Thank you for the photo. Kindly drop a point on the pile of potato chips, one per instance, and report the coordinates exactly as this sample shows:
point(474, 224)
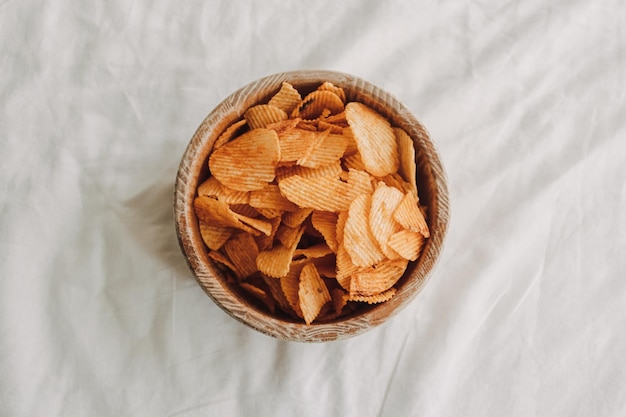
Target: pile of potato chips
point(312, 204)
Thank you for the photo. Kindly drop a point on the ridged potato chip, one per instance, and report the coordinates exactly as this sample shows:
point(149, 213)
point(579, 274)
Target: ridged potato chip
point(260, 294)
point(372, 281)
point(407, 244)
point(374, 138)
point(242, 251)
point(374, 299)
point(327, 149)
point(316, 102)
point(325, 222)
point(211, 187)
point(261, 115)
point(248, 162)
point(312, 293)
point(276, 261)
point(328, 86)
point(214, 237)
point(287, 98)
point(385, 200)
point(409, 215)
point(270, 197)
point(407, 168)
point(358, 239)
point(230, 133)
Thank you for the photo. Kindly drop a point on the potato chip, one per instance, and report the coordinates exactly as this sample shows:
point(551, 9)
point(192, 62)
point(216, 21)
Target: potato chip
point(270, 197)
point(407, 244)
point(385, 200)
point(244, 210)
point(409, 215)
point(261, 115)
point(276, 290)
point(372, 281)
point(242, 251)
point(214, 237)
point(312, 293)
point(339, 299)
point(262, 226)
point(331, 170)
point(326, 149)
point(353, 161)
point(283, 126)
point(318, 193)
point(260, 294)
point(338, 119)
point(374, 138)
point(323, 125)
point(286, 99)
point(295, 143)
point(217, 213)
point(248, 162)
point(326, 265)
point(230, 133)
point(406, 150)
point(288, 236)
point(358, 240)
point(374, 299)
point(268, 213)
point(345, 267)
point(328, 86)
point(275, 262)
point(325, 222)
point(290, 284)
point(211, 187)
point(316, 251)
point(316, 102)
point(265, 242)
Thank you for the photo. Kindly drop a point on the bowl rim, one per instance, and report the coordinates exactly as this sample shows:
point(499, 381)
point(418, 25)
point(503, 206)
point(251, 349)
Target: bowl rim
point(205, 272)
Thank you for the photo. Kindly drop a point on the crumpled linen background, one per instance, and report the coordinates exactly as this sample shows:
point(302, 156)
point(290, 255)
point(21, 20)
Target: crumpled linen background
point(524, 315)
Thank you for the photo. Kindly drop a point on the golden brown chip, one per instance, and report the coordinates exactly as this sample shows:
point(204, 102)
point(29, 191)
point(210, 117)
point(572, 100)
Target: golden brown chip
point(242, 251)
point(290, 285)
point(222, 259)
point(312, 293)
point(211, 187)
point(385, 200)
point(374, 299)
point(316, 102)
point(244, 210)
point(275, 262)
point(345, 267)
point(260, 294)
point(406, 150)
point(276, 290)
point(269, 213)
point(323, 125)
point(261, 115)
point(358, 239)
point(328, 86)
point(262, 226)
point(295, 143)
point(288, 235)
point(325, 150)
point(325, 222)
point(407, 244)
point(265, 242)
point(283, 126)
point(338, 119)
point(331, 170)
point(374, 138)
point(248, 162)
point(326, 265)
point(353, 161)
point(372, 281)
point(339, 299)
point(287, 98)
point(214, 237)
point(270, 197)
point(316, 251)
point(230, 133)
point(218, 214)
point(409, 215)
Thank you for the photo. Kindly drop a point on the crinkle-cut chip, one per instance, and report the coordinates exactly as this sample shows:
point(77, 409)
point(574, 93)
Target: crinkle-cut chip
point(287, 98)
point(328, 86)
point(242, 251)
point(222, 259)
point(265, 242)
point(270, 197)
point(351, 148)
point(312, 106)
point(358, 239)
point(353, 161)
point(283, 126)
point(214, 237)
point(260, 294)
point(211, 187)
point(275, 289)
point(312, 293)
point(319, 193)
point(360, 183)
point(374, 138)
point(407, 244)
point(385, 200)
point(309, 125)
point(315, 251)
point(218, 214)
point(230, 133)
point(294, 143)
point(261, 115)
point(269, 213)
point(275, 262)
point(325, 222)
point(373, 281)
point(374, 299)
point(244, 210)
point(323, 125)
point(409, 215)
point(406, 150)
point(262, 226)
point(325, 150)
point(290, 284)
point(342, 216)
point(339, 299)
point(331, 170)
point(396, 181)
point(248, 162)
point(296, 218)
point(338, 119)
point(345, 267)
point(288, 235)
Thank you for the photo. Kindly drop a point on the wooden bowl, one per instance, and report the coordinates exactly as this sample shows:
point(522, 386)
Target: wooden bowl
point(193, 169)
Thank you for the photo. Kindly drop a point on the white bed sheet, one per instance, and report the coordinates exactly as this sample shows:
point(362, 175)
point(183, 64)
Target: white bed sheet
point(525, 314)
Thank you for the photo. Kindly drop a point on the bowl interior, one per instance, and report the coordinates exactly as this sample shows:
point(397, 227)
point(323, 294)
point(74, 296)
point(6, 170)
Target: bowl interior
point(220, 287)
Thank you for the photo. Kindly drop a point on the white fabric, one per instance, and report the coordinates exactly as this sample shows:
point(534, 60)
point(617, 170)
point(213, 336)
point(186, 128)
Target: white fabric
point(525, 314)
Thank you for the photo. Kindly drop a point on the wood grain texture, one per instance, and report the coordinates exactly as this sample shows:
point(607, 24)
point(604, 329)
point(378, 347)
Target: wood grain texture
point(431, 181)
